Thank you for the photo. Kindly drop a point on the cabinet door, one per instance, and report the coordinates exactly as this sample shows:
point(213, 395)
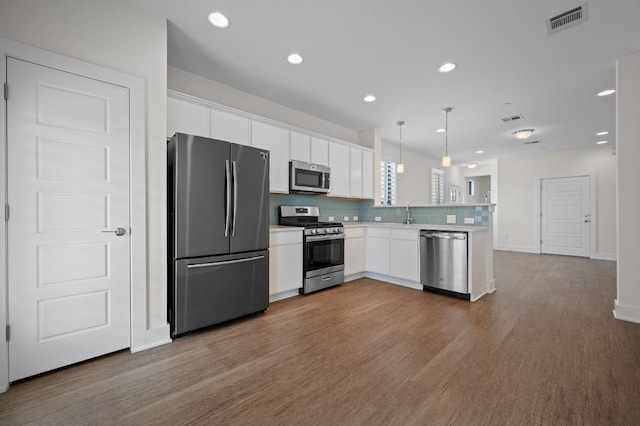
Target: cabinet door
point(356, 173)
point(319, 151)
point(276, 140)
point(377, 251)
point(353, 254)
point(285, 268)
point(229, 127)
point(367, 174)
point(300, 147)
point(187, 117)
point(339, 164)
point(404, 248)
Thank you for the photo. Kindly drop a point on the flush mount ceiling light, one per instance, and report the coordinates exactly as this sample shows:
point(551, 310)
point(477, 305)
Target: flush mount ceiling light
point(480, 152)
point(218, 20)
point(369, 98)
point(523, 133)
point(295, 59)
point(472, 165)
point(400, 166)
point(607, 92)
point(446, 160)
point(447, 67)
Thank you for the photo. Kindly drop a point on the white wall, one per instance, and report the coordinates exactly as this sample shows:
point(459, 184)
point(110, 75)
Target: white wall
point(121, 36)
point(203, 88)
point(627, 304)
point(517, 183)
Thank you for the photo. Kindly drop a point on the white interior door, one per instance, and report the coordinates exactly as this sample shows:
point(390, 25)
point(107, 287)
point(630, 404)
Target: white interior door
point(565, 216)
point(68, 182)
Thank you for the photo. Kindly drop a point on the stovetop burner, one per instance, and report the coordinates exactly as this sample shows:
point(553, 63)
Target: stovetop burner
point(303, 216)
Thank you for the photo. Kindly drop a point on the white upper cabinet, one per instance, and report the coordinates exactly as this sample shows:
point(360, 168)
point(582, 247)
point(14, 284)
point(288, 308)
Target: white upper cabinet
point(276, 140)
point(367, 174)
point(356, 172)
point(339, 164)
point(300, 147)
point(187, 117)
point(229, 127)
point(319, 151)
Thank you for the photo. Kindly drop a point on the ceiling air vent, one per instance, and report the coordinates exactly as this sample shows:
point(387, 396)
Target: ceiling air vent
point(531, 142)
point(567, 19)
point(512, 118)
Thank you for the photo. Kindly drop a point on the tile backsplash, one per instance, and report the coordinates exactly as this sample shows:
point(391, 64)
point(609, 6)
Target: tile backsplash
point(364, 210)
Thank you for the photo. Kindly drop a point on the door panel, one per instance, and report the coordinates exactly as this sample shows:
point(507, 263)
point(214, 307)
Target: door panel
point(68, 181)
point(565, 216)
point(200, 196)
point(251, 230)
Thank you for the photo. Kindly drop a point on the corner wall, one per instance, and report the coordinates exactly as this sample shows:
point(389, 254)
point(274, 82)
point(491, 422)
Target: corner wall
point(627, 304)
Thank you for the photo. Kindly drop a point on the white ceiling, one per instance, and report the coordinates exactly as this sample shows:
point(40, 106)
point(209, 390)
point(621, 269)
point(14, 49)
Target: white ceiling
point(507, 65)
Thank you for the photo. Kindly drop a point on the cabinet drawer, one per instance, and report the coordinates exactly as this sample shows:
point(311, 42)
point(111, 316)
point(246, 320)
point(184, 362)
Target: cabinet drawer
point(378, 232)
point(405, 234)
point(289, 237)
point(353, 232)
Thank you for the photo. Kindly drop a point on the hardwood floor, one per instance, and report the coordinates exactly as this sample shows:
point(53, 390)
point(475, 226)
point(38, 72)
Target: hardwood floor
point(543, 350)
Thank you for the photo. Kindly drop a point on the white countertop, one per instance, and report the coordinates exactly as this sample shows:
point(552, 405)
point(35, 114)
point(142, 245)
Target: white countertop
point(417, 226)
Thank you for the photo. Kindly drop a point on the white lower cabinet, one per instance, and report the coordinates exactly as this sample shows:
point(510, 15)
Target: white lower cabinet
point(377, 250)
point(353, 251)
point(285, 261)
point(404, 248)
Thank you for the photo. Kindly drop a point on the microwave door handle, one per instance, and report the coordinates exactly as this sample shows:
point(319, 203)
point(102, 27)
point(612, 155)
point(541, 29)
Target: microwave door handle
point(228, 182)
point(234, 167)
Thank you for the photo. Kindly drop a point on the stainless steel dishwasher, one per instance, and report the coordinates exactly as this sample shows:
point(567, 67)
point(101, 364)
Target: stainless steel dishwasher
point(443, 262)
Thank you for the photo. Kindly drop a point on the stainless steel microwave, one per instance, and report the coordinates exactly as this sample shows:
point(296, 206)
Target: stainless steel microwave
point(307, 178)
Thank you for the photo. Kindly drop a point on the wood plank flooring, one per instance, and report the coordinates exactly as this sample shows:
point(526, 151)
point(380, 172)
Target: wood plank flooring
point(543, 350)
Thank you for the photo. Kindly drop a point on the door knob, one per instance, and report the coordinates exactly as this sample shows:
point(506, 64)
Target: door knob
point(118, 231)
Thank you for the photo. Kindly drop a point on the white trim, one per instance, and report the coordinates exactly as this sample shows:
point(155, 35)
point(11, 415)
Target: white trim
point(626, 313)
point(141, 335)
point(521, 249)
point(592, 209)
point(605, 256)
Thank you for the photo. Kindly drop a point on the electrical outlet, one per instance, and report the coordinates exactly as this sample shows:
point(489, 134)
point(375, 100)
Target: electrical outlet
point(355, 218)
point(332, 219)
point(469, 220)
point(451, 218)
point(377, 219)
point(345, 219)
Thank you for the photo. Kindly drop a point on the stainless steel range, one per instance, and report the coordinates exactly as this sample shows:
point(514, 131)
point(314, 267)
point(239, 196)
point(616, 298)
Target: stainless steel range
point(323, 245)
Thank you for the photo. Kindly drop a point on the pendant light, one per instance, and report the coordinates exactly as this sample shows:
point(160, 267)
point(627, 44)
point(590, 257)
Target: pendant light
point(400, 166)
point(446, 160)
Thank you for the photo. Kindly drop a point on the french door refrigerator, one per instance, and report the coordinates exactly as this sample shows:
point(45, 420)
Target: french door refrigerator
point(218, 217)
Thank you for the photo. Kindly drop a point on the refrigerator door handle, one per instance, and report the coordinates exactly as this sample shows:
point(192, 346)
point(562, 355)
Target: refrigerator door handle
point(226, 217)
point(224, 262)
point(234, 166)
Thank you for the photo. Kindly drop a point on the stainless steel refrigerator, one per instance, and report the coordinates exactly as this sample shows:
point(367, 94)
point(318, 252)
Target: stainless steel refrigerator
point(218, 217)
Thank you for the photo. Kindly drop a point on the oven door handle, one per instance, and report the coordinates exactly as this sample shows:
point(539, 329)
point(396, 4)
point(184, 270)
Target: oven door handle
point(312, 238)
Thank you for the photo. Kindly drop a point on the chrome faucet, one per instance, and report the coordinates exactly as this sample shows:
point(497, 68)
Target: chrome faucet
point(409, 218)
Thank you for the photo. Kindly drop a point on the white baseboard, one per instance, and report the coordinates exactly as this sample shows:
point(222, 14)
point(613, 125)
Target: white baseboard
point(626, 312)
point(153, 337)
point(522, 249)
point(605, 256)
point(393, 280)
point(283, 295)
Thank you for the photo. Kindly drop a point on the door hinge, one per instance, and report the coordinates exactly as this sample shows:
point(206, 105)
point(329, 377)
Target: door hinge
point(8, 332)
point(6, 92)
point(6, 212)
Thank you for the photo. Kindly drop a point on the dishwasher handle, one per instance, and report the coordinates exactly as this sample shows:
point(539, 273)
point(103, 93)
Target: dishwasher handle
point(443, 235)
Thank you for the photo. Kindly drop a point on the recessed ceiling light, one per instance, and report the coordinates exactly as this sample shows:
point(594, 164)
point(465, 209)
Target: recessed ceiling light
point(480, 152)
point(607, 92)
point(295, 59)
point(472, 165)
point(449, 66)
point(369, 98)
point(441, 130)
point(218, 20)
point(602, 133)
point(601, 142)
